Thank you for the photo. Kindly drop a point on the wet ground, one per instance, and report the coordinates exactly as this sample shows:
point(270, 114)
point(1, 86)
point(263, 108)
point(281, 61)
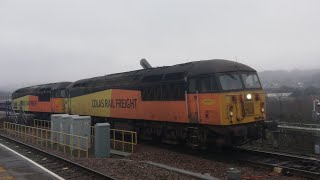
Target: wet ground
point(13, 166)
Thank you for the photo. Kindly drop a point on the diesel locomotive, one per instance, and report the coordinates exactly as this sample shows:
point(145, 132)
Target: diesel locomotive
point(200, 103)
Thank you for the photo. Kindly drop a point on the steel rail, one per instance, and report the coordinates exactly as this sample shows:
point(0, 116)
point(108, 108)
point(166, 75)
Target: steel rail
point(288, 162)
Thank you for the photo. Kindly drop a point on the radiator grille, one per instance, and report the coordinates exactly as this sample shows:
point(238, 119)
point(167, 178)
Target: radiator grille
point(249, 108)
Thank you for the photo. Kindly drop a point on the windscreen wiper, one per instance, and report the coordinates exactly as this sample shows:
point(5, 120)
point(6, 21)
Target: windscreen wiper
point(232, 76)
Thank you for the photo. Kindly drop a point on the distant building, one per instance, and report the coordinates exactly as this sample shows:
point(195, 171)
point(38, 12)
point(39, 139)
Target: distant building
point(276, 95)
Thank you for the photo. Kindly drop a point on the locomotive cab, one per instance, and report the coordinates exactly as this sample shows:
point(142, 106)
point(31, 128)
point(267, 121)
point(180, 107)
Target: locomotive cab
point(230, 101)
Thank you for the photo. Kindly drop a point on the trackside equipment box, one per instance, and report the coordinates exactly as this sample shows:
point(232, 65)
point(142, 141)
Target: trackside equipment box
point(55, 126)
point(65, 127)
point(102, 140)
point(81, 126)
point(65, 124)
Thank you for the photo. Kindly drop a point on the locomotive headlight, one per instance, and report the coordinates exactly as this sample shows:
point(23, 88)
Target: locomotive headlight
point(262, 107)
point(249, 96)
point(230, 109)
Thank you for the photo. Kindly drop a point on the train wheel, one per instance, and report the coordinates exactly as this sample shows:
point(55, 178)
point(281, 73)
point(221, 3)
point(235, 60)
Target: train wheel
point(196, 138)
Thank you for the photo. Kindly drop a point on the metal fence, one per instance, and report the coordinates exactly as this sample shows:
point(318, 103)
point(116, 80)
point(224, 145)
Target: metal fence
point(67, 143)
point(44, 124)
point(291, 109)
point(121, 140)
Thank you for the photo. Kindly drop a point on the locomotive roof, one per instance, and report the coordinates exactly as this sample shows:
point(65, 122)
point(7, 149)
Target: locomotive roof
point(36, 88)
point(188, 69)
point(216, 66)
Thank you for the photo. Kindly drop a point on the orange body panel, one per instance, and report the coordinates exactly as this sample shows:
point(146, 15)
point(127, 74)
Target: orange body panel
point(56, 105)
point(128, 104)
point(204, 108)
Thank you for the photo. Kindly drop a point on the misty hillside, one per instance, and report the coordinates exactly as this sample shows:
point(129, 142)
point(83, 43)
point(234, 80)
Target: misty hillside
point(4, 95)
point(292, 79)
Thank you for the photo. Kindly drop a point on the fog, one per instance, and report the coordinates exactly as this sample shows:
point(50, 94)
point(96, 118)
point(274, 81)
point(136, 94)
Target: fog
point(51, 41)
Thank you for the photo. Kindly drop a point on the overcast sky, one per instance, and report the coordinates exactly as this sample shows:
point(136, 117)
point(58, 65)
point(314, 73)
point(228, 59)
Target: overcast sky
point(63, 40)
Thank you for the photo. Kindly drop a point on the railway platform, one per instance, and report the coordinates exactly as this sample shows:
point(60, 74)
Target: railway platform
point(15, 166)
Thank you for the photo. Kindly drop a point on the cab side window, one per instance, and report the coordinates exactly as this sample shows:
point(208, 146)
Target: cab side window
point(205, 85)
point(202, 84)
point(193, 85)
point(63, 93)
point(44, 96)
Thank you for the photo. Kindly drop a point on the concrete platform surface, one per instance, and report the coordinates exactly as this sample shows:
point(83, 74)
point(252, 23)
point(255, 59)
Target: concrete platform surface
point(15, 166)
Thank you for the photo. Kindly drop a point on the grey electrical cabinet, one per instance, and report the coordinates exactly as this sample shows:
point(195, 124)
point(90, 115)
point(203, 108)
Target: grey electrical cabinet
point(65, 125)
point(55, 126)
point(71, 130)
point(81, 126)
point(102, 140)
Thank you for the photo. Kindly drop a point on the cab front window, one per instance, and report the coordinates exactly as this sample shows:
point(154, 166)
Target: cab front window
point(230, 81)
point(251, 80)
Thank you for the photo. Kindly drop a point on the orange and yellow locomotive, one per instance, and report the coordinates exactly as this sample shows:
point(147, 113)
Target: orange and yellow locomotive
point(211, 102)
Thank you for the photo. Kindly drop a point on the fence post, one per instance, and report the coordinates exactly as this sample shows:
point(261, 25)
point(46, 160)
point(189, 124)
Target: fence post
point(79, 147)
point(57, 141)
point(64, 143)
point(275, 139)
point(87, 150)
point(122, 140)
point(71, 143)
point(25, 133)
point(132, 142)
point(46, 137)
point(102, 140)
point(317, 144)
point(37, 135)
point(41, 136)
point(32, 137)
point(114, 139)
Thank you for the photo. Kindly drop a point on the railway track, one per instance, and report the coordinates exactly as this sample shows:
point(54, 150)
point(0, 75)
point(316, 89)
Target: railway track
point(289, 164)
point(301, 166)
point(62, 167)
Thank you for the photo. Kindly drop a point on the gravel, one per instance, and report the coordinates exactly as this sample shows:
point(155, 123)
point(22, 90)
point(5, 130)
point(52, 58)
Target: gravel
point(124, 169)
point(133, 167)
point(216, 168)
